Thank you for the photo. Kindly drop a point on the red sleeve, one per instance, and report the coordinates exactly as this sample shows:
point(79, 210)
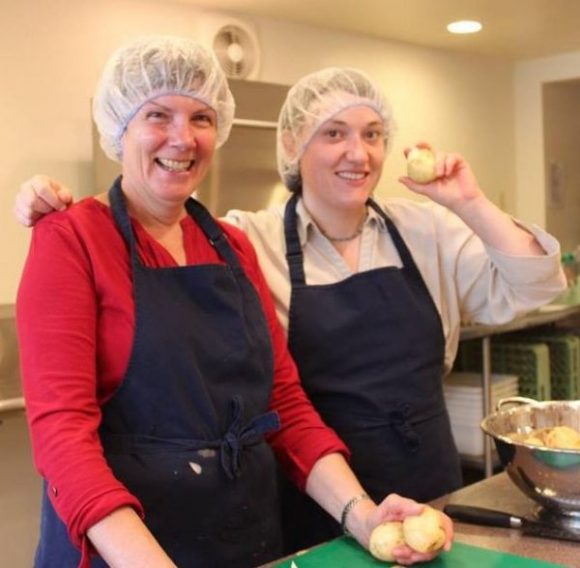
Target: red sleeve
point(57, 319)
point(303, 438)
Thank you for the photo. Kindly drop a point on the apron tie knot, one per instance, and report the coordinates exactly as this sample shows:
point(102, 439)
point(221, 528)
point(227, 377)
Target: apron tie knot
point(399, 420)
point(238, 436)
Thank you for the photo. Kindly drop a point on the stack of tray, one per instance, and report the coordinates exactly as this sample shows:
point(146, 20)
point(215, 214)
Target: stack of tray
point(464, 399)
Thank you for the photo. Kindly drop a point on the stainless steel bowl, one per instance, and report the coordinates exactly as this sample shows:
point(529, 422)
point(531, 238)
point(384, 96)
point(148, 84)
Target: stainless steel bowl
point(550, 477)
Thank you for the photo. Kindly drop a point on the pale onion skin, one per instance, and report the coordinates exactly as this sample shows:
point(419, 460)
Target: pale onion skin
point(421, 165)
point(385, 538)
point(424, 533)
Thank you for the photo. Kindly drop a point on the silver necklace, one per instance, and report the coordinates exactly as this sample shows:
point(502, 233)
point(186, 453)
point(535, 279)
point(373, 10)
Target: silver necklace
point(351, 237)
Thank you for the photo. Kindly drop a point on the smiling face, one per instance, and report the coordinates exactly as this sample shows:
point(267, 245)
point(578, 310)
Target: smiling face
point(167, 150)
point(343, 161)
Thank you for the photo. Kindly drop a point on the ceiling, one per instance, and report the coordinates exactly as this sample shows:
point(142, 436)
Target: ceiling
point(518, 29)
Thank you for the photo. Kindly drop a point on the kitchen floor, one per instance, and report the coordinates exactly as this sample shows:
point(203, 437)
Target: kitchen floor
point(20, 492)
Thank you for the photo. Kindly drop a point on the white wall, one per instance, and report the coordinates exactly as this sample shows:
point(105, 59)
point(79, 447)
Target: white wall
point(52, 51)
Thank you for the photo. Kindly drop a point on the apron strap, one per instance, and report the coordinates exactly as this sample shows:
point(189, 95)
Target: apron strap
point(121, 216)
point(398, 241)
point(402, 249)
point(294, 254)
point(239, 436)
point(214, 232)
point(230, 445)
point(401, 424)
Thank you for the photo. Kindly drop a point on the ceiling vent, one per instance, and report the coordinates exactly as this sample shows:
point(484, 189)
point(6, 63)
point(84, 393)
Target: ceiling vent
point(237, 49)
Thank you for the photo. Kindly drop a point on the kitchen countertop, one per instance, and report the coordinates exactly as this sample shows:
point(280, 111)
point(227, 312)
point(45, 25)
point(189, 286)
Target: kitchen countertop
point(498, 492)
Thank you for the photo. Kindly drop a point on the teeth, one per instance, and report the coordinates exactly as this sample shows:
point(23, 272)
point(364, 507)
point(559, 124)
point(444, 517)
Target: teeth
point(175, 165)
point(351, 175)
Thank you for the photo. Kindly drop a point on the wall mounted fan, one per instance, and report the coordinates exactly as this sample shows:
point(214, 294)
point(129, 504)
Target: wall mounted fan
point(237, 50)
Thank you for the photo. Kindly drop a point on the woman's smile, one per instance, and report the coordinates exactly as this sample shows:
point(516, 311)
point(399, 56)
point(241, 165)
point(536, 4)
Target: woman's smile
point(170, 165)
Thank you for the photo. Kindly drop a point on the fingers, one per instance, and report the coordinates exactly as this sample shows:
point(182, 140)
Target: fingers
point(414, 186)
point(396, 508)
point(449, 531)
point(406, 556)
point(51, 194)
point(447, 164)
point(38, 196)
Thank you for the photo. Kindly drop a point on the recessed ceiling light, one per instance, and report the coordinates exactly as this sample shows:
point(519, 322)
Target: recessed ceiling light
point(464, 27)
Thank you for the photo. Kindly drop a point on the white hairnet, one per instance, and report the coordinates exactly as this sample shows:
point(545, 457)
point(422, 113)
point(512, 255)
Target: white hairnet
point(312, 101)
point(150, 67)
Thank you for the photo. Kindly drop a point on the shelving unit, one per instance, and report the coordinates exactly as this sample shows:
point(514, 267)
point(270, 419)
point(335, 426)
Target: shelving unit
point(552, 313)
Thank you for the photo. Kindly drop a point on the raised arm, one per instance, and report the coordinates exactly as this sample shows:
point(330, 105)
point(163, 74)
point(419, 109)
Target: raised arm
point(38, 196)
point(457, 189)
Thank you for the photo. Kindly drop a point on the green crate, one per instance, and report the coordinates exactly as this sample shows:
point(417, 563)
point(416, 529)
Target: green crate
point(564, 360)
point(529, 361)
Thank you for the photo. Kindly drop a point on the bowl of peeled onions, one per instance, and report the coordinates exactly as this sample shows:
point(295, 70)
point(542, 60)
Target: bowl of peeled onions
point(538, 443)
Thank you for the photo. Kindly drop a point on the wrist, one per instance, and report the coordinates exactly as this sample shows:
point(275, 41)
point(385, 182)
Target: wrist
point(355, 516)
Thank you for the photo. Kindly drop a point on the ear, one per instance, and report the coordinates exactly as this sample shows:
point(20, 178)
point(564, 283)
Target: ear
point(289, 144)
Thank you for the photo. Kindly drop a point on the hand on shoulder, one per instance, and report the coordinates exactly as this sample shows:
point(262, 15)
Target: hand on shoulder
point(39, 196)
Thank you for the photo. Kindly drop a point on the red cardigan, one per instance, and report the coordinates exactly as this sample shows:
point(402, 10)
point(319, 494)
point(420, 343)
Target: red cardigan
point(75, 317)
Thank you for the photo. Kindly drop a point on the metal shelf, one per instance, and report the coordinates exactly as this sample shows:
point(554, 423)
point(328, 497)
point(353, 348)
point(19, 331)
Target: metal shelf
point(551, 313)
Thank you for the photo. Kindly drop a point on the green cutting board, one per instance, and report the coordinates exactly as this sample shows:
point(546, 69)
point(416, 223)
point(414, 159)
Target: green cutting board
point(346, 553)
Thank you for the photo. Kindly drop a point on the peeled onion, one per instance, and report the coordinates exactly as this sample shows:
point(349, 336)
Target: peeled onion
point(385, 538)
point(421, 165)
point(424, 532)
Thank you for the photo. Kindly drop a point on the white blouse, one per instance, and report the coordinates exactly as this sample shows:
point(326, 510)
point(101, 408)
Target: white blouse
point(468, 281)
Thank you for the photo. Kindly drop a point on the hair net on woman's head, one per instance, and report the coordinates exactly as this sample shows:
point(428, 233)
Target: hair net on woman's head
point(312, 101)
point(155, 66)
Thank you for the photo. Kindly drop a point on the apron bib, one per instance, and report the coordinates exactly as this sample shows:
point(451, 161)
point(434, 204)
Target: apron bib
point(370, 353)
point(185, 431)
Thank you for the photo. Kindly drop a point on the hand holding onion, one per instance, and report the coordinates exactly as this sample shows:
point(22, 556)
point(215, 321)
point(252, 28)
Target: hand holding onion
point(444, 178)
point(424, 533)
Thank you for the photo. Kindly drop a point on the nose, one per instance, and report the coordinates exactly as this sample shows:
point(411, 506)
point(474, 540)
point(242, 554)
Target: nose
point(183, 135)
point(356, 150)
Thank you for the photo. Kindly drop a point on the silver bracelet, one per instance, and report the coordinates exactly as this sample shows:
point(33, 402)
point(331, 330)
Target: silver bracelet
point(348, 508)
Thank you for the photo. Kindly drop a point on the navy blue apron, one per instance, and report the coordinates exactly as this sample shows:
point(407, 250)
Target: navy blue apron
point(370, 351)
point(185, 431)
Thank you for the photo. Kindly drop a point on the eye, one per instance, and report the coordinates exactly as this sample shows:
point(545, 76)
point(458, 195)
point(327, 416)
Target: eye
point(374, 135)
point(156, 115)
point(203, 119)
point(333, 133)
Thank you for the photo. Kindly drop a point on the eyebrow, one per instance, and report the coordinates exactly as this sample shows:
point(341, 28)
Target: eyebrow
point(336, 122)
point(167, 109)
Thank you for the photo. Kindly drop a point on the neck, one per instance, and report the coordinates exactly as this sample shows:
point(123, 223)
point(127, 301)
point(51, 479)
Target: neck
point(157, 222)
point(339, 225)
point(156, 216)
